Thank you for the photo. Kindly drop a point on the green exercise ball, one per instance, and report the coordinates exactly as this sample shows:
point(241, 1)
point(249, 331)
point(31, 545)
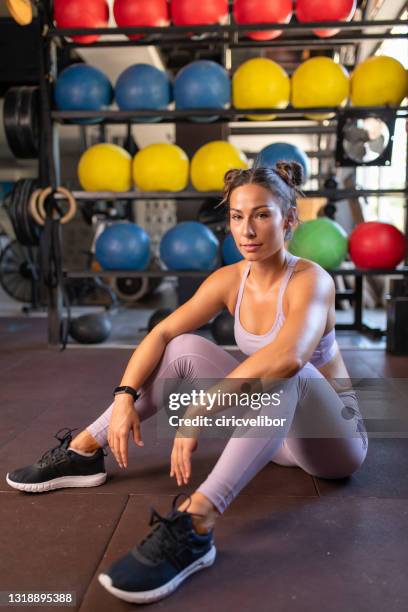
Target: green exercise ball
point(322, 240)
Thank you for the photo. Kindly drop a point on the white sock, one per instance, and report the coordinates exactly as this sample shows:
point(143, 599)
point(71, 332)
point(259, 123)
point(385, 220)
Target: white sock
point(83, 453)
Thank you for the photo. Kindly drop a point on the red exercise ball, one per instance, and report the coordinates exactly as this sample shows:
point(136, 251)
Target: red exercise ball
point(142, 14)
point(80, 14)
point(263, 11)
point(199, 12)
point(377, 245)
point(325, 10)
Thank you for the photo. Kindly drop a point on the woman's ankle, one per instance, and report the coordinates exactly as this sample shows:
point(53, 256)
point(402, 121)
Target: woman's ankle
point(84, 442)
point(204, 512)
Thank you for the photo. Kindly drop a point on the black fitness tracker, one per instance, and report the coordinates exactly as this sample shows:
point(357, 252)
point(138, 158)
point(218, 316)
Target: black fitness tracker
point(130, 390)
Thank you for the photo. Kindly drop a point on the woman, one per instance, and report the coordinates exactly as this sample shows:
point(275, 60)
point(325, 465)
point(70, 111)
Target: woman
point(284, 311)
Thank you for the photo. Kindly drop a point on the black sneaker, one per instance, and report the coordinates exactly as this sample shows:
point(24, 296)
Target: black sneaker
point(158, 565)
point(60, 467)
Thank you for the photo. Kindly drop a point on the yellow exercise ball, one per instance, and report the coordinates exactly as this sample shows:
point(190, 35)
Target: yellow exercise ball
point(161, 167)
point(260, 83)
point(320, 82)
point(377, 81)
point(212, 161)
point(105, 167)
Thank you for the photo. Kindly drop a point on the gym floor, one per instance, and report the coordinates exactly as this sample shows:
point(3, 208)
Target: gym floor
point(289, 541)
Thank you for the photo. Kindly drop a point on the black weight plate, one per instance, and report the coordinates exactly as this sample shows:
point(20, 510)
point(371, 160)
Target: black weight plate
point(11, 113)
point(21, 121)
point(29, 121)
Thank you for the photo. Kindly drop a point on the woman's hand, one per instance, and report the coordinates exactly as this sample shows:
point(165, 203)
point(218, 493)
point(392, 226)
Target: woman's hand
point(181, 458)
point(123, 420)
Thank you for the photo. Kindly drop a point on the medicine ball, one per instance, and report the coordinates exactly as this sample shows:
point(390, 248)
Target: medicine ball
point(140, 14)
point(308, 89)
point(263, 11)
point(123, 246)
point(308, 11)
point(377, 245)
point(378, 81)
point(91, 328)
point(321, 240)
point(199, 12)
point(105, 167)
point(161, 167)
point(260, 83)
point(83, 87)
point(158, 316)
point(189, 245)
point(212, 161)
point(222, 328)
point(80, 14)
point(283, 151)
point(142, 86)
point(202, 84)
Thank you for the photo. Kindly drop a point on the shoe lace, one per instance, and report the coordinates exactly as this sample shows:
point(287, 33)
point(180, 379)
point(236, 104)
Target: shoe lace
point(60, 451)
point(167, 535)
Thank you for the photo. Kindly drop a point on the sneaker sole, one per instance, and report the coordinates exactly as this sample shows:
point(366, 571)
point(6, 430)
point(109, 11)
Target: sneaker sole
point(143, 597)
point(94, 480)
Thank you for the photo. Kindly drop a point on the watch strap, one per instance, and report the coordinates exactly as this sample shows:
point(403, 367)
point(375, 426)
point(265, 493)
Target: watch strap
point(126, 389)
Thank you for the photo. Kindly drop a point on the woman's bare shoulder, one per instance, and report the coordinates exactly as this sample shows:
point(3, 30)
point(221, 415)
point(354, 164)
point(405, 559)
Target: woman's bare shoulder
point(307, 271)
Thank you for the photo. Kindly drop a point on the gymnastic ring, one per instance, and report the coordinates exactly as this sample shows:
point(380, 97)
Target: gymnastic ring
point(68, 195)
point(32, 205)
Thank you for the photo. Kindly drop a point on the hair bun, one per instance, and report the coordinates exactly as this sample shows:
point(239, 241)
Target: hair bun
point(290, 172)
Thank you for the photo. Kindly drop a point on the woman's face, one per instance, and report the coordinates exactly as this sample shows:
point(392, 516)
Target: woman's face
point(255, 218)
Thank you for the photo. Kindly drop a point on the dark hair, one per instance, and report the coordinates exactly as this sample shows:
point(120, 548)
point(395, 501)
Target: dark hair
point(283, 182)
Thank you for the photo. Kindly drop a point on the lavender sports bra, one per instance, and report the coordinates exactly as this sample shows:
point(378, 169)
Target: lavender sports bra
point(249, 343)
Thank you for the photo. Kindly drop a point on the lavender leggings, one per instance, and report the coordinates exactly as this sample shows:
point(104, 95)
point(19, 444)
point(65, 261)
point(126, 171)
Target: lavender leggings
point(193, 357)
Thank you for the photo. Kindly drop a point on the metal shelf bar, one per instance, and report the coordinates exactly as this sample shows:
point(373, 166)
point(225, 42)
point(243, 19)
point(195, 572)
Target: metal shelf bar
point(229, 29)
point(137, 116)
point(333, 194)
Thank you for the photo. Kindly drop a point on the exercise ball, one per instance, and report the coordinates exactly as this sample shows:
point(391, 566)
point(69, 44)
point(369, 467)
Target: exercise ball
point(141, 14)
point(82, 87)
point(308, 11)
point(123, 246)
point(321, 240)
point(262, 11)
point(222, 328)
point(229, 251)
point(143, 86)
point(202, 84)
point(320, 82)
point(283, 151)
point(260, 83)
point(189, 245)
point(212, 161)
point(158, 316)
point(202, 12)
point(91, 328)
point(378, 81)
point(161, 167)
point(80, 14)
point(377, 245)
point(105, 167)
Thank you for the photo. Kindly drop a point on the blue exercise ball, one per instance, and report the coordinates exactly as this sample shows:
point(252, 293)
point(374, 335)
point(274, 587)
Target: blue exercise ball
point(282, 151)
point(143, 86)
point(123, 246)
point(202, 84)
point(83, 87)
point(229, 251)
point(189, 245)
